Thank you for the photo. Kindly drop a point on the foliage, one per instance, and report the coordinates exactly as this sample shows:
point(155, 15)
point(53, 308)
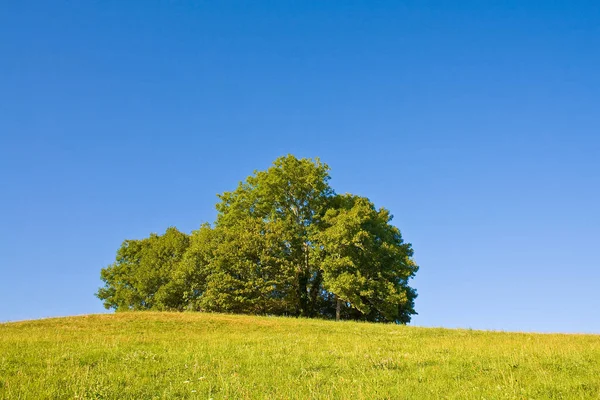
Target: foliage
point(365, 261)
point(283, 243)
point(204, 355)
point(292, 194)
point(140, 276)
point(250, 273)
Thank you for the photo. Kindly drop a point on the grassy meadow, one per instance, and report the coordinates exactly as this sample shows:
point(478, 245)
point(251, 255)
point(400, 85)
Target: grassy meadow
point(213, 356)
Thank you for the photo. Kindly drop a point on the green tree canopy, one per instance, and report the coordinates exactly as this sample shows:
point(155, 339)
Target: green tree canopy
point(283, 243)
point(142, 271)
point(365, 262)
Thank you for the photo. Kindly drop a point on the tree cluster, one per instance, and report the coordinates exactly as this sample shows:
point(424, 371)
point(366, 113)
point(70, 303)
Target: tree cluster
point(283, 243)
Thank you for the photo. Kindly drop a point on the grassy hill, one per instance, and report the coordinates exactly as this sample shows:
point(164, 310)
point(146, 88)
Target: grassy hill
point(183, 355)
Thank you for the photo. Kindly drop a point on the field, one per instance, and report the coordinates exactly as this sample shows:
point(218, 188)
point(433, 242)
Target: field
point(184, 355)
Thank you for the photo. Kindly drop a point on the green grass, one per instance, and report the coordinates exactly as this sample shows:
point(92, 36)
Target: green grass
point(184, 355)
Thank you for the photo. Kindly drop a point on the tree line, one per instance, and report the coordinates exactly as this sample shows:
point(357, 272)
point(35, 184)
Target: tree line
point(283, 243)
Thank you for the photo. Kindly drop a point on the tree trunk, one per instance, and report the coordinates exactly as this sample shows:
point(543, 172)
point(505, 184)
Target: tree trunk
point(303, 284)
point(338, 308)
point(315, 287)
point(302, 293)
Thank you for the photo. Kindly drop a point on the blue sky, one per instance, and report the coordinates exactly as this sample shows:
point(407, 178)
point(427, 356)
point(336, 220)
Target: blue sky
point(476, 123)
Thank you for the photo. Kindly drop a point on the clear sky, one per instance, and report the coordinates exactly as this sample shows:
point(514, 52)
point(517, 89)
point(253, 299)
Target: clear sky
point(477, 123)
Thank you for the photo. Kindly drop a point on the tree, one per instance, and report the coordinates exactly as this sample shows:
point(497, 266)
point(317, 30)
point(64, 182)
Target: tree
point(293, 193)
point(249, 270)
point(141, 270)
point(283, 244)
point(365, 262)
point(189, 275)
